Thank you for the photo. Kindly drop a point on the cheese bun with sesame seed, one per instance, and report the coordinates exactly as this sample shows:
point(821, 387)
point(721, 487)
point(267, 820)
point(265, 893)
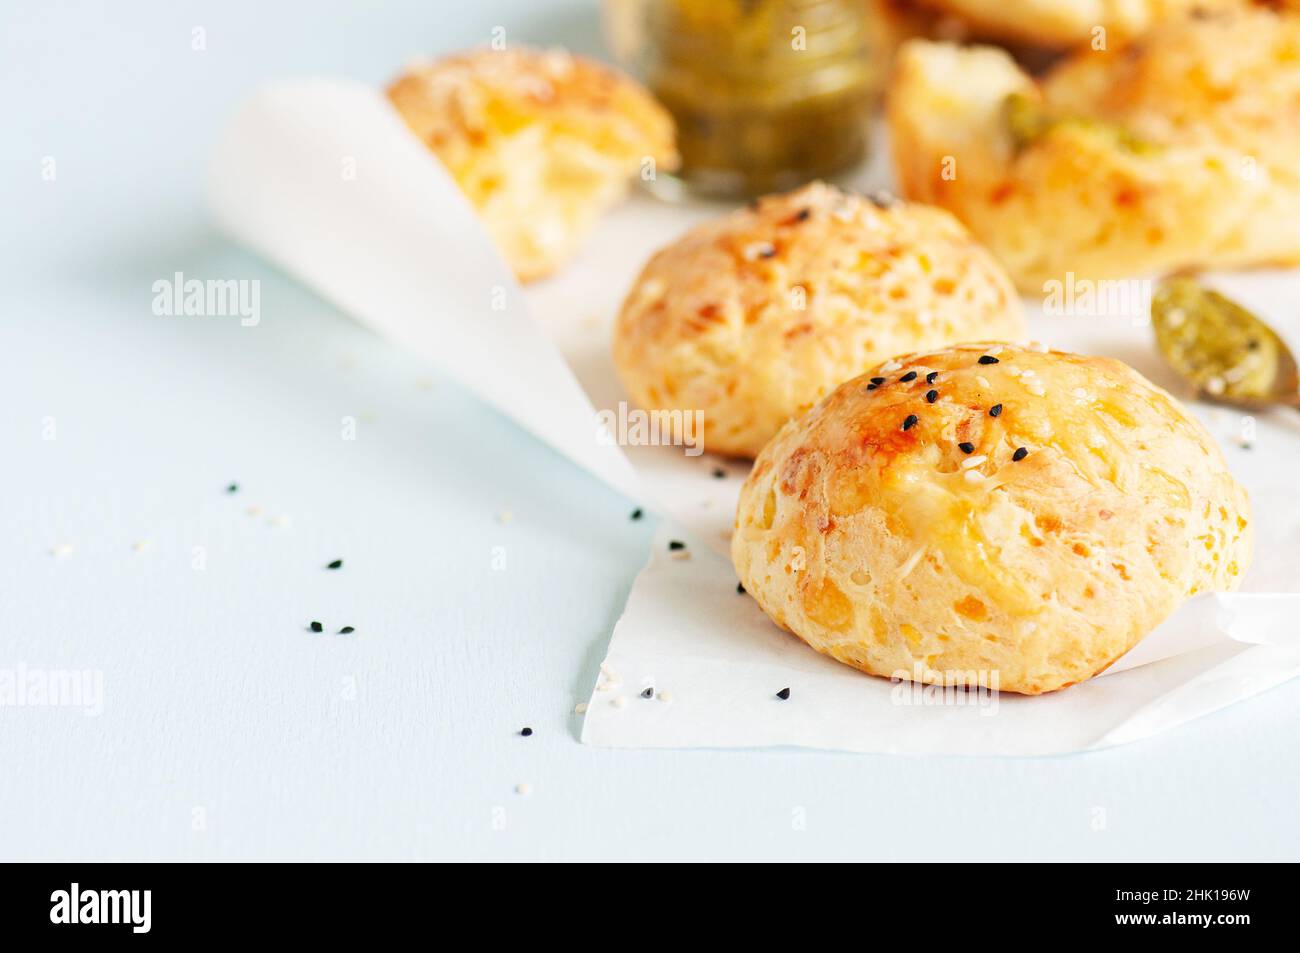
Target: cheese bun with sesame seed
point(541, 142)
point(989, 515)
point(755, 316)
point(1175, 150)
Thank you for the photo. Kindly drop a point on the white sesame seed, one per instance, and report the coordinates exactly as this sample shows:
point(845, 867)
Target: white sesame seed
point(580, 708)
point(1035, 388)
point(619, 702)
point(523, 788)
point(140, 545)
point(973, 476)
point(608, 670)
point(254, 510)
point(665, 696)
point(61, 551)
point(680, 554)
point(982, 381)
point(996, 349)
point(1214, 385)
point(504, 516)
point(972, 462)
point(279, 520)
point(891, 366)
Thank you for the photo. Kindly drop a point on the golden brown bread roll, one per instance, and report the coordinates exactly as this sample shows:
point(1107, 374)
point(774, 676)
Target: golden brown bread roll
point(1175, 151)
point(1032, 518)
point(541, 142)
point(754, 317)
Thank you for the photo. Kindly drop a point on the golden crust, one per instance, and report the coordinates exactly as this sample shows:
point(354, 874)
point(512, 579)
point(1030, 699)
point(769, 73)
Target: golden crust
point(876, 545)
point(1060, 24)
point(541, 142)
point(755, 316)
point(1175, 151)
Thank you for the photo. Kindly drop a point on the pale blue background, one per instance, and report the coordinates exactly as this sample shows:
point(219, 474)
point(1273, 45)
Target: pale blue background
point(154, 415)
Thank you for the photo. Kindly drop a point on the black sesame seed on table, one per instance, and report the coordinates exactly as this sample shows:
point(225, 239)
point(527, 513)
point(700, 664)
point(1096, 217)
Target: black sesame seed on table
point(336, 564)
point(931, 396)
point(908, 377)
point(783, 694)
point(966, 447)
point(1020, 454)
point(636, 514)
point(719, 473)
point(526, 732)
point(910, 421)
point(317, 627)
point(929, 378)
point(233, 488)
point(988, 359)
point(347, 630)
point(995, 410)
point(740, 588)
point(675, 545)
point(648, 693)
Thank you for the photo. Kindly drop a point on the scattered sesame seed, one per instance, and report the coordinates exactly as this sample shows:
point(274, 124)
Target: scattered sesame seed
point(973, 476)
point(910, 421)
point(1036, 388)
point(336, 564)
point(61, 551)
point(648, 692)
point(279, 520)
point(719, 473)
point(580, 708)
point(526, 732)
point(972, 462)
point(347, 630)
point(891, 366)
point(254, 510)
point(608, 670)
point(233, 488)
point(908, 377)
point(675, 544)
point(783, 694)
point(995, 410)
point(966, 447)
point(930, 378)
point(665, 696)
point(140, 546)
point(317, 627)
point(740, 588)
point(523, 789)
point(906, 569)
point(931, 396)
point(681, 555)
point(1020, 454)
point(877, 381)
point(636, 514)
point(504, 516)
point(619, 701)
point(988, 359)
point(872, 386)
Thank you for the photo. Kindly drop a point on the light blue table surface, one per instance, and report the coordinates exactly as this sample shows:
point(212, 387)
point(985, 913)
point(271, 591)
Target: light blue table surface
point(400, 740)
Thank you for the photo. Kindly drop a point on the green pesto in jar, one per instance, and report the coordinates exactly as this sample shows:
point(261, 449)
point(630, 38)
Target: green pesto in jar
point(1223, 349)
point(767, 94)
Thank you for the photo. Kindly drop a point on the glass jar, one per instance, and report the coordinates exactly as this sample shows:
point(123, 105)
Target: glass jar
point(767, 94)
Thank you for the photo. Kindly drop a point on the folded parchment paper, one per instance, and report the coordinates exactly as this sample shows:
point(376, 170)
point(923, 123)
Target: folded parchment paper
point(322, 178)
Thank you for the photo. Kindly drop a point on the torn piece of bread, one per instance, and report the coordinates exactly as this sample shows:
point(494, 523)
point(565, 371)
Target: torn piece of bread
point(541, 142)
point(1176, 150)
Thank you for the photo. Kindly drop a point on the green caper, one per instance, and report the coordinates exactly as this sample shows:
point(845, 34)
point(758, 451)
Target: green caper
point(1215, 343)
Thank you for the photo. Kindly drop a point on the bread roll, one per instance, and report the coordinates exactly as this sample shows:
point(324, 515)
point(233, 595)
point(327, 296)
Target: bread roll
point(541, 142)
point(754, 317)
point(1174, 151)
point(989, 512)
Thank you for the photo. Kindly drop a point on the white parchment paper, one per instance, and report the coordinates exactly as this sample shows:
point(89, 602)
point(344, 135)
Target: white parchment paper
point(322, 178)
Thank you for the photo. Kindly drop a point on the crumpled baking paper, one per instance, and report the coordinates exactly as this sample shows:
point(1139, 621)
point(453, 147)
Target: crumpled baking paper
point(323, 178)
